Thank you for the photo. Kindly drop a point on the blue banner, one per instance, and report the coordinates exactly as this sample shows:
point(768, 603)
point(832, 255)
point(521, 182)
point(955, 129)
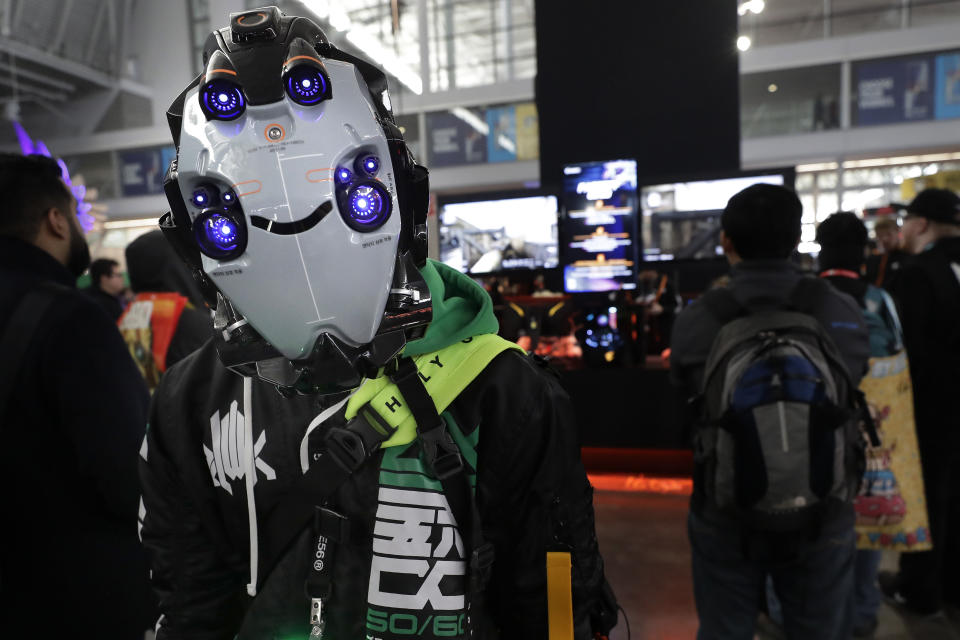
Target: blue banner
point(456, 137)
point(892, 91)
point(502, 141)
point(947, 104)
point(142, 170)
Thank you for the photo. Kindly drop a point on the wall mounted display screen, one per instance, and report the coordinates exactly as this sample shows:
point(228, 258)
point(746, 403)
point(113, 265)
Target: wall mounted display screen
point(483, 236)
point(598, 229)
point(681, 220)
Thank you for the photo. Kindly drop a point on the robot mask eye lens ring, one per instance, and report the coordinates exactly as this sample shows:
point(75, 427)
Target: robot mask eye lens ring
point(220, 234)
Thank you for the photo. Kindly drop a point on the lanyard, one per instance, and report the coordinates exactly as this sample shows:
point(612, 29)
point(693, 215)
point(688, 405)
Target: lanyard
point(843, 273)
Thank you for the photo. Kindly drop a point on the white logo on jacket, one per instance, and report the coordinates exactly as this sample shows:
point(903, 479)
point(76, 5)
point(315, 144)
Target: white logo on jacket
point(404, 545)
point(227, 461)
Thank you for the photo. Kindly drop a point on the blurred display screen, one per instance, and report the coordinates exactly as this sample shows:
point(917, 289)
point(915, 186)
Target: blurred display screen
point(681, 221)
point(484, 236)
point(598, 234)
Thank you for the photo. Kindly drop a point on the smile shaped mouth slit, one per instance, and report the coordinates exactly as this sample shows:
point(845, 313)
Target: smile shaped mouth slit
point(297, 226)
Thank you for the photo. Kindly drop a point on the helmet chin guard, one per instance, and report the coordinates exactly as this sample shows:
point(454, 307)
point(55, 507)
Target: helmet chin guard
point(298, 206)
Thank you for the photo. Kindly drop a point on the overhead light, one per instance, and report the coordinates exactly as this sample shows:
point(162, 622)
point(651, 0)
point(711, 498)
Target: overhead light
point(772, 88)
point(471, 119)
point(817, 166)
point(367, 42)
point(751, 6)
point(743, 43)
point(130, 224)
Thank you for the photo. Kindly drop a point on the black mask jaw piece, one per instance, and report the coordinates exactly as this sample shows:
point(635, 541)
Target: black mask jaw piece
point(332, 366)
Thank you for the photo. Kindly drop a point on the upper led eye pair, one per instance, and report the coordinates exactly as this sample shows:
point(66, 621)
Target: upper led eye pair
point(304, 79)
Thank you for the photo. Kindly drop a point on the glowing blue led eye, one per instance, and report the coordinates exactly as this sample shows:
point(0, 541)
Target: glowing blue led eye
point(200, 198)
point(369, 165)
point(344, 176)
point(306, 84)
point(219, 235)
point(222, 100)
point(228, 197)
point(367, 206)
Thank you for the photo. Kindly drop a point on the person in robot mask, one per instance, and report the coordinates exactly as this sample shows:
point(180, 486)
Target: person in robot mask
point(415, 474)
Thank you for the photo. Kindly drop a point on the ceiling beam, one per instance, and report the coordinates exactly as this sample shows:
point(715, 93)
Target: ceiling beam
point(61, 27)
point(40, 93)
point(71, 67)
point(95, 34)
point(38, 77)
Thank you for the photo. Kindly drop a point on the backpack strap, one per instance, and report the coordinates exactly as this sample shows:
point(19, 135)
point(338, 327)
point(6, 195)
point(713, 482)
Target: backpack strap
point(19, 333)
point(446, 464)
point(722, 305)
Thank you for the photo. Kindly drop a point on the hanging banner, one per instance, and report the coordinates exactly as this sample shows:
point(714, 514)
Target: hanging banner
point(942, 180)
point(142, 170)
point(947, 101)
point(502, 141)
point(456, 137)
point(892, 91)
point(891, 509)
point(528, 131)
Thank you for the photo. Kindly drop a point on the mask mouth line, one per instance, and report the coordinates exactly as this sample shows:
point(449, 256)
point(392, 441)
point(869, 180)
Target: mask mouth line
point(297, 226)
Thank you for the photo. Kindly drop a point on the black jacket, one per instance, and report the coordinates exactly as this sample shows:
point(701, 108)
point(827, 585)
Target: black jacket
point(884, 270)
point(154, 267)
point(111, 304)
point(69, 555)
point(762, 283)
point(532, 492)
point(928, 298)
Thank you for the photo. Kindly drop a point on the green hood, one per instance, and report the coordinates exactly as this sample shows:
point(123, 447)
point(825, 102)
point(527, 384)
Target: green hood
point(461, 309)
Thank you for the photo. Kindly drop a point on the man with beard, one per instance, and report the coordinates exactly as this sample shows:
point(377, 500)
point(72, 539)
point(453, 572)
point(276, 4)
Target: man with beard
point(72, 415)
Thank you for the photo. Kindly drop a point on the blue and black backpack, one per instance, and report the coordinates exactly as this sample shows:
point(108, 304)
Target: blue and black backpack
point(778, 435)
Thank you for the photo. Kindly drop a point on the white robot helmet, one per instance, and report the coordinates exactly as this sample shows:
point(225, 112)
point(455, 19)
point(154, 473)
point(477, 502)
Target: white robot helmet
point(298, 206)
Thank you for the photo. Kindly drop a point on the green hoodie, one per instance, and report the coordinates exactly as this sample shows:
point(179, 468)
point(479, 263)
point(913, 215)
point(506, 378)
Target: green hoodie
point(461, 309)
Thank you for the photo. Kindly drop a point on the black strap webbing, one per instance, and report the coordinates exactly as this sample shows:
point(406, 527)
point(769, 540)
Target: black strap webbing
point(443, 457)
point(347, 448)
point(19, 334)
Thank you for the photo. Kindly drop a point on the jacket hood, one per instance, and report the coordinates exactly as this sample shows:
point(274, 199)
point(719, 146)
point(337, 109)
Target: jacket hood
point(461, 309)
point(153, 265)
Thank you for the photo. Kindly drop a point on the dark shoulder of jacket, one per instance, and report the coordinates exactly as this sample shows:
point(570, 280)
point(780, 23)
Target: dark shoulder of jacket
point(695, 329)
point(187, 382)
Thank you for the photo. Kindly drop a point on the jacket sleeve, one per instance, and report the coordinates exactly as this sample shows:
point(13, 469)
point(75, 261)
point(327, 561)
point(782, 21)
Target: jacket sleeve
point(200, 596)
point(102, 400)
point(534, 498)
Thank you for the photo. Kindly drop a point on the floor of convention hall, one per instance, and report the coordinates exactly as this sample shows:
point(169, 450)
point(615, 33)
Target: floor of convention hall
point(641, 525)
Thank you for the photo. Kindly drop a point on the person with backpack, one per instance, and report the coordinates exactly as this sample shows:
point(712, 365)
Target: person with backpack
point(167, 320)
point(357, 454)
point(72, 417)
point(771, 364)
point(928, 294)
point(891, 513)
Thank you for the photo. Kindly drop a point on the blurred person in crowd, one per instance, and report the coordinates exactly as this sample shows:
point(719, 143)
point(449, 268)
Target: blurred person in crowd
point(884, 267)
point(344, 506)
point(72, 416)
point(106, 286)
point(735, 547)
point(843, 241)
point(167, 319)
point(928, 294)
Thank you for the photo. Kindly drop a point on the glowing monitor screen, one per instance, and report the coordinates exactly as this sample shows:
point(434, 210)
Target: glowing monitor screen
point(598, 231)
point(682, 220)
point(485, 236)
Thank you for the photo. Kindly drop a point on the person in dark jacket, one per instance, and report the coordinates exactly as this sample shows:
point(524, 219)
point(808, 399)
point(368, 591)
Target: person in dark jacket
point(883, 269)
point(106, 284)
point(167, 319)
point(928, 294)
point(813, 578)
point(415, 475)
point(73, 418)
